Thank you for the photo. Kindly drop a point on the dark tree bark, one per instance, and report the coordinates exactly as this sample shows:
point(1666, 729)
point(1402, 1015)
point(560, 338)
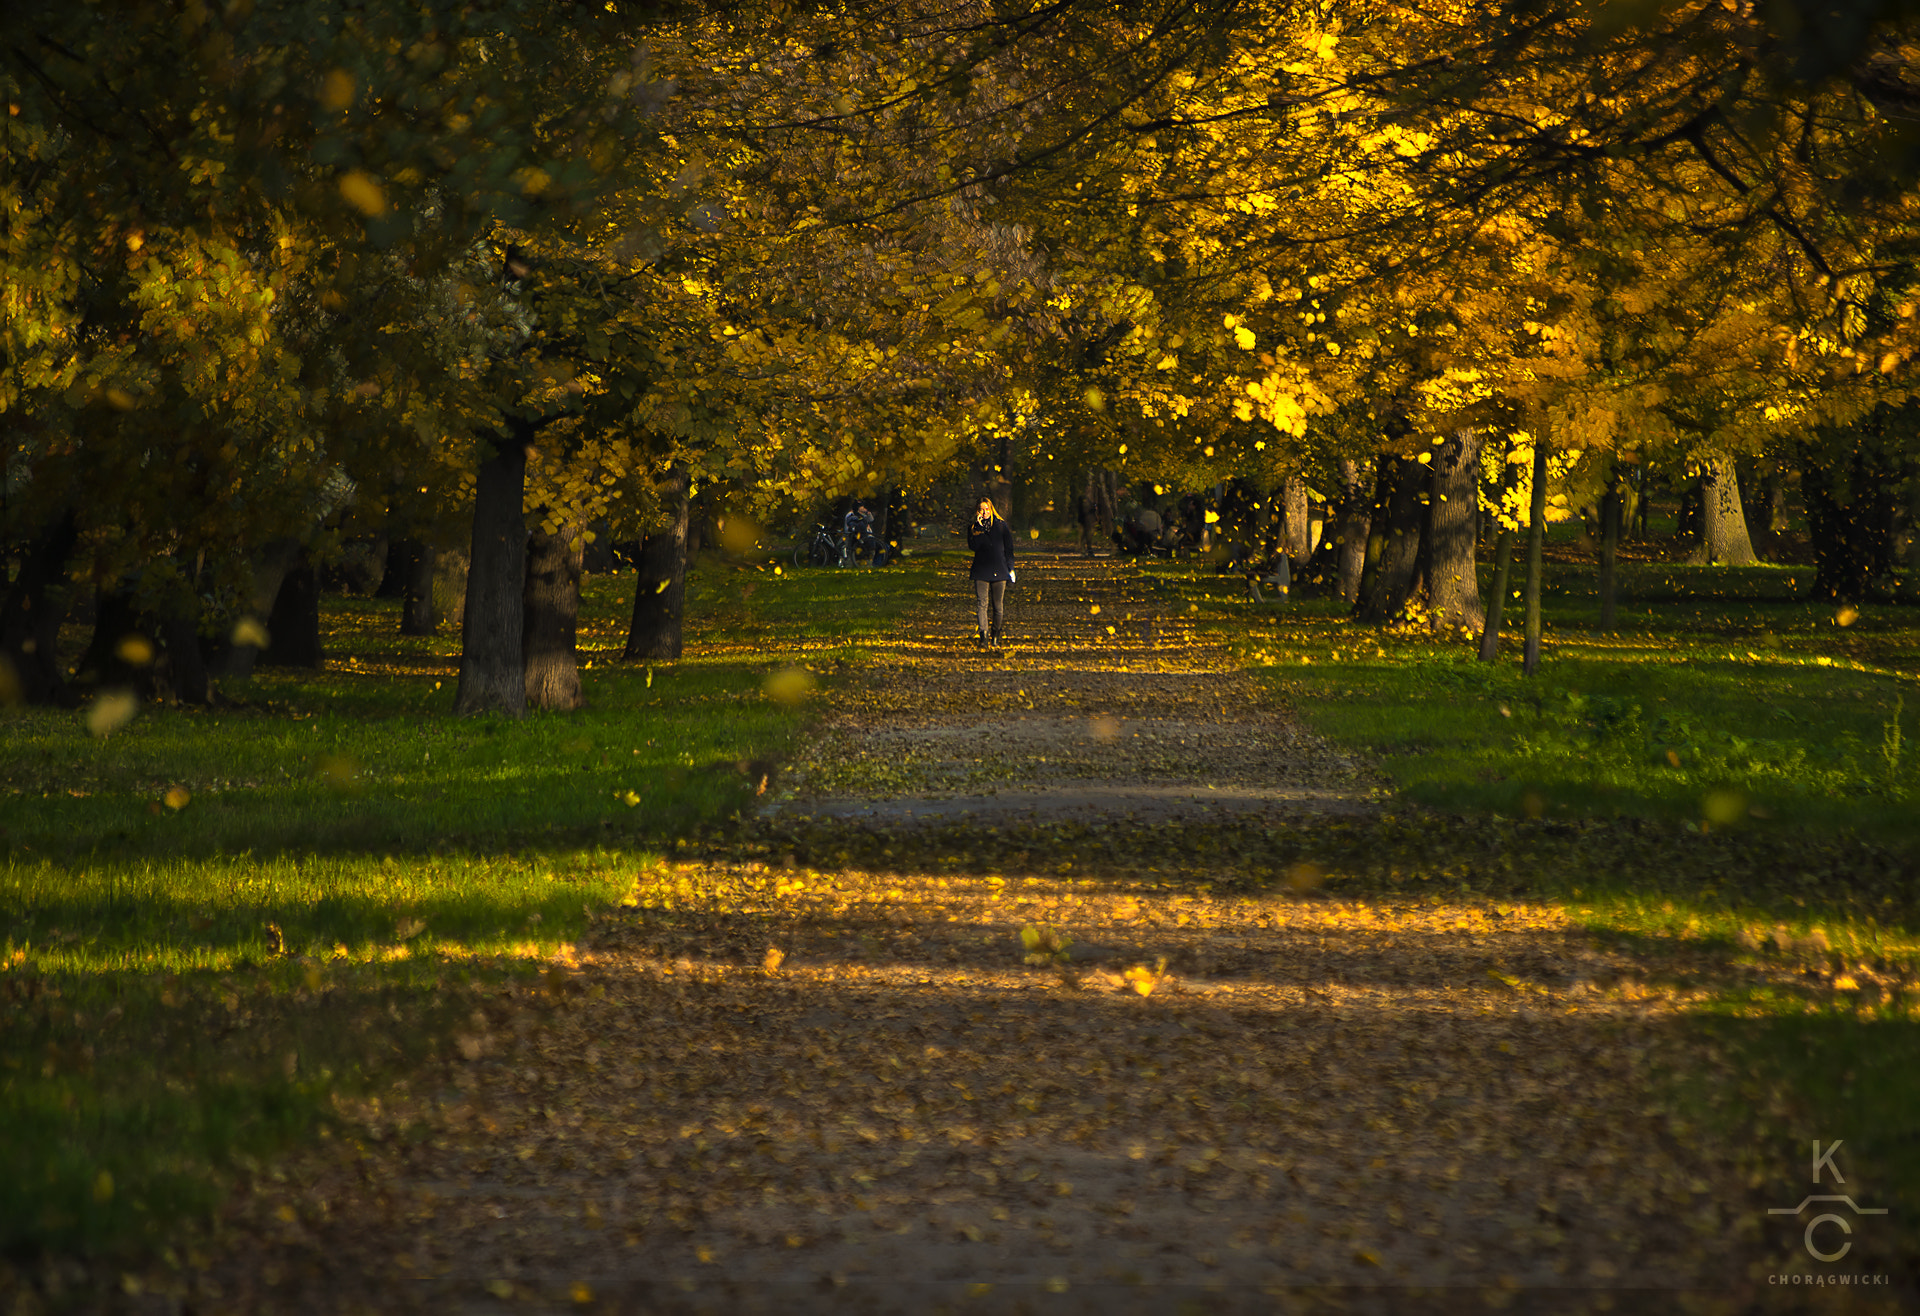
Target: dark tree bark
point(230, 656)
point(401, 551)
point(418, 616)
point(1850, 517)
point(1723, 526)
point(1453, 520)
point(1910, 583)
point(1536, 544)
point(109, 659)
point(1687, 528)
point(1497, 607)
point(660, 591)
point(182, 670)
point(1399, 512)
point(552, 607)
point(492, 668)
point(1760, 498)
point(293, 630)
point(1612, 513)
point(30, 619)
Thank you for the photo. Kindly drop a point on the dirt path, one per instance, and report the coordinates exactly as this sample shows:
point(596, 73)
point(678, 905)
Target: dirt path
point(1104, 705)
point(778, 1084)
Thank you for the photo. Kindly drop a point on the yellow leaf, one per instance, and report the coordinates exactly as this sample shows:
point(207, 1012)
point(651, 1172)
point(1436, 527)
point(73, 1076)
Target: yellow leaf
point(363, 193)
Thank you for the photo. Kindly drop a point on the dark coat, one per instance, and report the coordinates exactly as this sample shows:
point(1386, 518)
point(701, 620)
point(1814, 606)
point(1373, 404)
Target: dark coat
point(992, 547)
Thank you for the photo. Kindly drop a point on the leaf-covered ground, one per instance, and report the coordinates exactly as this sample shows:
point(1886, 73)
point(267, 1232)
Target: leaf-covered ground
point(1200, 1061)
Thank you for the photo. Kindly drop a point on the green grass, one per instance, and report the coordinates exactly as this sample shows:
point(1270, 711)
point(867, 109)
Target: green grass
point(215, 924)
point(1722, 700)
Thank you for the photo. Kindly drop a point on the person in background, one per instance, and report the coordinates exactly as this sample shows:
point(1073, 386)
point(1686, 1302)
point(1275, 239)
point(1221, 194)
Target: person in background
point(992, 543)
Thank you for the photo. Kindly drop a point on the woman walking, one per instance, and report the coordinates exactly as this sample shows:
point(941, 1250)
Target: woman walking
point(992, 545)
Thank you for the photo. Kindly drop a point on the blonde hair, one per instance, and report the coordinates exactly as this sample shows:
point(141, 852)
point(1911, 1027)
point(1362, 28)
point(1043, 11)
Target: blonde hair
point(993, 508)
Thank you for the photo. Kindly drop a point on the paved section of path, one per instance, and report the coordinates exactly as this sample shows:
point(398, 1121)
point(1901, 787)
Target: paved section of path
point(788, 1088)
point(1104, 705)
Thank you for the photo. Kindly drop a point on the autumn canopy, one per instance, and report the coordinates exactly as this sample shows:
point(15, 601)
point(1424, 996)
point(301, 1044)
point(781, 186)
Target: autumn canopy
point(501, 277)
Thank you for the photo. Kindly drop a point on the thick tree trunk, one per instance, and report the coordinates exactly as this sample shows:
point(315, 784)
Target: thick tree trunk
point(1910, 584)
point(1292, 497)
point(109, 659)
point(183, 670)
point(1686, 522)
point(30, 620)
point(1850, 520)
point(1497, 606)
point(492, 670)
point(1612, 512)
point(401, 550)
point(418, 616)
point(552, 618)
point(660, 592)
point(1350, 529)
point(1399, 513)
point(1723, 526)
point(1536, 545)
point(233, 654)
point(1453, 513)
point(293, 628)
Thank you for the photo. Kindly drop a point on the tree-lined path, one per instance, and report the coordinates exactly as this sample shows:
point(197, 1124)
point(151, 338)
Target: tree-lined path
point(1107, 703)
point(784, 1081)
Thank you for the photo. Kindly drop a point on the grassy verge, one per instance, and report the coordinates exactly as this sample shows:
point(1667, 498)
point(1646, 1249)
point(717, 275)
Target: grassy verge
point(1723, 701)
point(1727, 787)
point(216, 923)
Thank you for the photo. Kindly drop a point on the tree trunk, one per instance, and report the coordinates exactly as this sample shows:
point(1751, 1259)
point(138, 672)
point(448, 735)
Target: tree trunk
point(1398, 515)
point(1453, 508)
point(293, 629)
point(229, 655)
point(418, 616)
point(1292, 497)
point(1497, 608)
point(1536, 545)
point(1350, 530)
point(1612, 512)
point(552, 607)
point(660, 591)
point(109, 660)
point(1910, 585)
point(183, 669)
point(492, 671)
point(401, 550)
point(1687, 530)
point(449, 587)
point(30, 620)
point(1723, 526)
point(1849, 518)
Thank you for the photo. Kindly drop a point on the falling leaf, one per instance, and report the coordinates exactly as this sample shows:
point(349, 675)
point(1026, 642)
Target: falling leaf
point(111, 710)
point(176, 798)
point(249, 631)
point(789, 686)
point(363, 193)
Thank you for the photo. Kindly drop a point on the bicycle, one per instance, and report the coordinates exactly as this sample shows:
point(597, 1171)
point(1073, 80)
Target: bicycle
point(822, 550)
